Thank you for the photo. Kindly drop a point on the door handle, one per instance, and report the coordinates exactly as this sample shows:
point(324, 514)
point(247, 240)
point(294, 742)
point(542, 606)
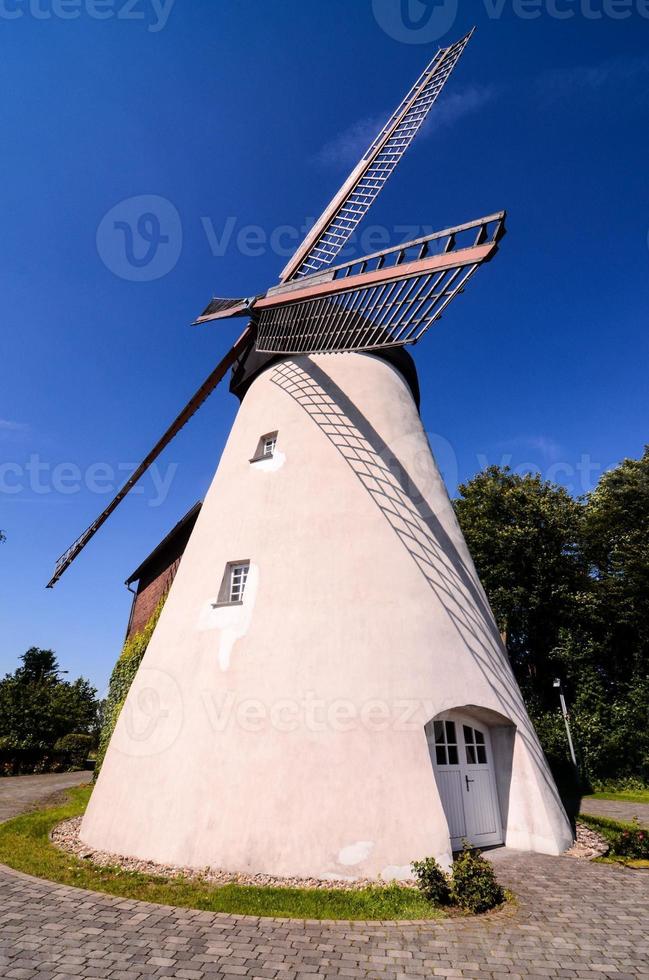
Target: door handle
point(467, 783)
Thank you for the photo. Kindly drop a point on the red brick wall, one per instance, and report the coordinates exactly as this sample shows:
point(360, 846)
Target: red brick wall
point(158, 572)
point(149, 593)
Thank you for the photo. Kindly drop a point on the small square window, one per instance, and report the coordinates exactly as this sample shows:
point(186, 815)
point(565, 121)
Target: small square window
point(265, 447)
point(233, 583)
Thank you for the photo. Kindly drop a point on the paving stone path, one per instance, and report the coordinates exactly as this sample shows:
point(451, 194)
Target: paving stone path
point(616, 810)
point(573, 919)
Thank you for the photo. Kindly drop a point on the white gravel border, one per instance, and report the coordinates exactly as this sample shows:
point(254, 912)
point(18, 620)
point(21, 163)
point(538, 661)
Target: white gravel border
point(66, 837)
point(588, 844)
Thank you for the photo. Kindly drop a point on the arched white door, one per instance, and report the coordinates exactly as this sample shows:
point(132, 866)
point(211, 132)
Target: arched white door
point(460, 750)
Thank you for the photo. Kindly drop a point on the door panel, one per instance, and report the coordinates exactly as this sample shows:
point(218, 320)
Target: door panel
point(460, 750)
point(450, 791)
point(479, 806)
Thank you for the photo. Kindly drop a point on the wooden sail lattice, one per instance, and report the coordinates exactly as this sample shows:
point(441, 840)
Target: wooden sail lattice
point(334, 229)
point(386, 299)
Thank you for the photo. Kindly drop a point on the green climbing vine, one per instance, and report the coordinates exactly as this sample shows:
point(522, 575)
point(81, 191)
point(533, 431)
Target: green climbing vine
point(121, 679)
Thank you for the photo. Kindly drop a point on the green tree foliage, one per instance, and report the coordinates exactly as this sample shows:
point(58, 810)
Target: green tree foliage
point(568, 581)
point(37, 707)
point(616, 545)
point(523, 533)
point(77, 744)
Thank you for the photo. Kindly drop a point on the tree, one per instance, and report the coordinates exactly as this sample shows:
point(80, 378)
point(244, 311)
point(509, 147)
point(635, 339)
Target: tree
point(568, 581)
point(615, 543)
point(37, 707)
point(523, 534)
point(38, 665)
point(616, 546)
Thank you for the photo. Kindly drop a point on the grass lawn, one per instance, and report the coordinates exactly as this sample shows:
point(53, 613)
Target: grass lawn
point(25, 846)
point(624, 796)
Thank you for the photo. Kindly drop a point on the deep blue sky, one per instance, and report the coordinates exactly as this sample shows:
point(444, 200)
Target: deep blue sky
point(255, 110)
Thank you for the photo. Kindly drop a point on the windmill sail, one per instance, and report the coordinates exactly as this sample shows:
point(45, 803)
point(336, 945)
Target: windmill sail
point(333, 230)
point(383, 300)
point(387, 299)
point(222, 309)
point(190, 409)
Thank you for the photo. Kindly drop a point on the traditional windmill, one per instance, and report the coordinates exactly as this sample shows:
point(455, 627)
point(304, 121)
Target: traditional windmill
point(326, 693)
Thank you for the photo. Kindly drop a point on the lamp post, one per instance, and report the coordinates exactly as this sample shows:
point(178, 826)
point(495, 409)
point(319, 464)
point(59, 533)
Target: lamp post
point(564, 712)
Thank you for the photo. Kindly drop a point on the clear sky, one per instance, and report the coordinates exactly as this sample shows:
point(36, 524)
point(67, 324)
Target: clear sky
point(244, 116)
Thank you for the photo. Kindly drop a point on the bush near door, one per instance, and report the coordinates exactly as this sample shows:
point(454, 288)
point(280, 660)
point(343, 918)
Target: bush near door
point(472, 884)
point(475, 888)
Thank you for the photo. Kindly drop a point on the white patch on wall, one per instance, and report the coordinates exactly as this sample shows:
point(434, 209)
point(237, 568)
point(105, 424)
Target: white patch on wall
point(271, 464)
point(396, 872)
point(232, 622)
point(356, 853)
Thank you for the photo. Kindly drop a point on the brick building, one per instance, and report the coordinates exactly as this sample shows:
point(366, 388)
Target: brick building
point(156, 573)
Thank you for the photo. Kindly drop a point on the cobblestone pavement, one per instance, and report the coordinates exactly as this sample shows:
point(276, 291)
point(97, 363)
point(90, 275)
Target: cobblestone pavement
point(21, 793)
point(574, 919)
point(616, 810)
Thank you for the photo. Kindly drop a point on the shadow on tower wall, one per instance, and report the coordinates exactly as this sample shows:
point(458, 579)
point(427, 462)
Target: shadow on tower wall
point(453, 581)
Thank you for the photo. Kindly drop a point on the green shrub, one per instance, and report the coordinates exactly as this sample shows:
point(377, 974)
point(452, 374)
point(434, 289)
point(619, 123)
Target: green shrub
point(77, 745)
point(121, 679)
point(474, 886)
point(628, 785)
point(627, 840)
point(432, 881)
point(633, 842)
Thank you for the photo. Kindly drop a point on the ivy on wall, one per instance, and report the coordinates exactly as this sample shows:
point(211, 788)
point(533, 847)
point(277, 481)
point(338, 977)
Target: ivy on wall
point(121, 679)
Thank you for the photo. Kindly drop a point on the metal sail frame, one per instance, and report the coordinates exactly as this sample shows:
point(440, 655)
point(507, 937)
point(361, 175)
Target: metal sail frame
point(237, 350)
point(386, 299)
point(334, 228)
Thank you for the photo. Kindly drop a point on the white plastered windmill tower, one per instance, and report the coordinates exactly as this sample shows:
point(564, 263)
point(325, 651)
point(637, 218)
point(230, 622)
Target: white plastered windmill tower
point(326, 693)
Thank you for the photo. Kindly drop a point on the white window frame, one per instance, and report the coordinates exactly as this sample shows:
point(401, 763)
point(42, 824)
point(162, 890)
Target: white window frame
point(238, 579)
point(270, 442)
point(265, 447)
point(233, 583)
